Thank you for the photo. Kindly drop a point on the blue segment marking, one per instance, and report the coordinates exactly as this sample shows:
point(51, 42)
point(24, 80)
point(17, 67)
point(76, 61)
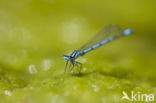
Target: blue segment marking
point(111, 39)
point(87, 50)
point(127, 32)
point(104, 42)
point(95, 46)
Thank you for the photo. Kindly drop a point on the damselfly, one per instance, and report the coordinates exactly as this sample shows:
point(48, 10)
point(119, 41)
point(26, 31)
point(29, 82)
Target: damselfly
point(106, 35)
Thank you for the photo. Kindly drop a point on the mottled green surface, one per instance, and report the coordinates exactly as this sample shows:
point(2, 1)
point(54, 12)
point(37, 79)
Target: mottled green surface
point(34, 34)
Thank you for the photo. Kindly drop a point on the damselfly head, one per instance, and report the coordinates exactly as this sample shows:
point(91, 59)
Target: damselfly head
point(66, 58)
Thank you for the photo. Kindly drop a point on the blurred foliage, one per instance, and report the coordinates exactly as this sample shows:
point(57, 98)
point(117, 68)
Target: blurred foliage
point(34, 34)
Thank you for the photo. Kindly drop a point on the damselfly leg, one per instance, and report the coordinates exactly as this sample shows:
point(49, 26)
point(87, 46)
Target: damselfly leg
point(78, 67)
point(71, 65)
point(66, 66)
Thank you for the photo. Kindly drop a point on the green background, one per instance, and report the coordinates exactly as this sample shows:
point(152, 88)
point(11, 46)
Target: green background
point(34, 34)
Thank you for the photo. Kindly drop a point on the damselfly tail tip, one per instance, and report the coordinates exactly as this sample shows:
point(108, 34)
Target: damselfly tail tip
point(128, 32)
